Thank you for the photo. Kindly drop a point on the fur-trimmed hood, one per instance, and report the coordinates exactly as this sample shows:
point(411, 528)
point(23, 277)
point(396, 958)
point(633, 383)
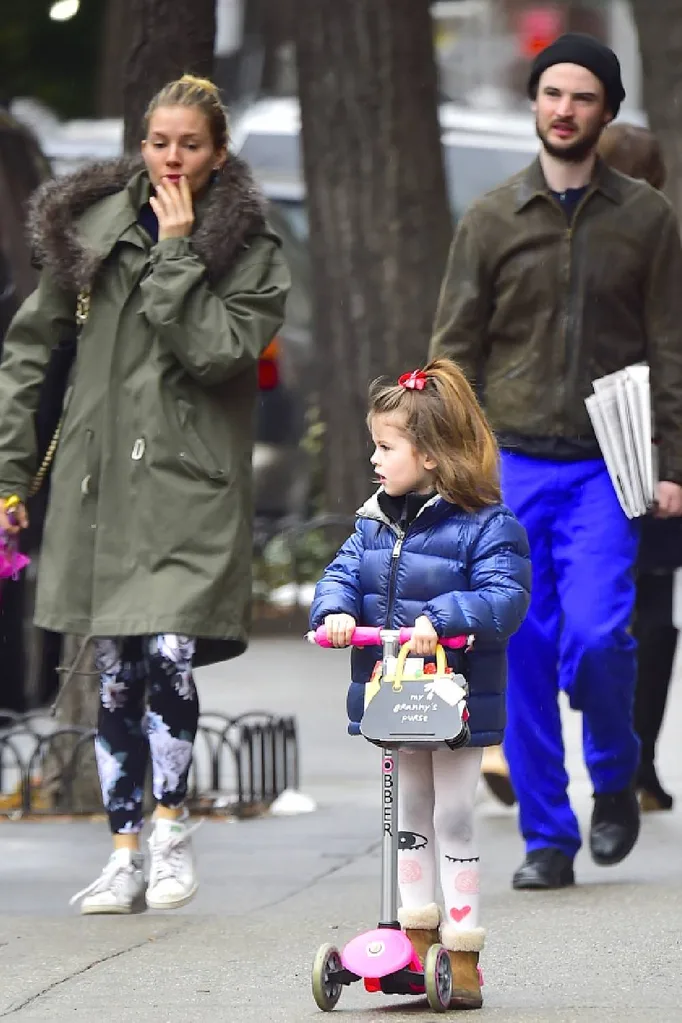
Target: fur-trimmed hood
point(233, 212)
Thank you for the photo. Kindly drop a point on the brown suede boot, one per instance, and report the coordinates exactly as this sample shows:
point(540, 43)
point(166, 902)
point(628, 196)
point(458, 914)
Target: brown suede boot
point(464, 948)
point(495, 771)
point(421, 927)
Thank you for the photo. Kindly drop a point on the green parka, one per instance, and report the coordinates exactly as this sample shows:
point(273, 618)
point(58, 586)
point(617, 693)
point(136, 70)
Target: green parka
point(148, 528)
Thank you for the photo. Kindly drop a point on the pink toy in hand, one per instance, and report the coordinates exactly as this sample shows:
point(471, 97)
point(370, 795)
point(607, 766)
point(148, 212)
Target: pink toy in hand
point(12, 561)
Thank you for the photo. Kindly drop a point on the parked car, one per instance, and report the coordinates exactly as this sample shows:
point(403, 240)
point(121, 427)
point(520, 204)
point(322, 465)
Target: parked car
point(280, 464)
point(480, 150)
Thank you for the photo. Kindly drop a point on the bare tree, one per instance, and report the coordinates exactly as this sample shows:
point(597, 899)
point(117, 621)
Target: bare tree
point(70, 779)
point(169, 38)
point(115, 44)
point(659, 26)
point(277, 29)
point(379, 218)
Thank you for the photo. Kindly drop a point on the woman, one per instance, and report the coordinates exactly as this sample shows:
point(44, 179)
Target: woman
point(635, 151)
point(147, 545)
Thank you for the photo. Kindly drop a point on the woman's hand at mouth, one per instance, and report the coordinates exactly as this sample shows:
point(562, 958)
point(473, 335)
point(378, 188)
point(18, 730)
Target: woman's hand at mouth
point(174, 208)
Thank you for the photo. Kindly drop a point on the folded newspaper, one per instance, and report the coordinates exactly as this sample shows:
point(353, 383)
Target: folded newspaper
point(621, 414)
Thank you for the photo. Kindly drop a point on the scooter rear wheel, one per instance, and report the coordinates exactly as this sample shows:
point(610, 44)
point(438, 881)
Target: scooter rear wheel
point(325, 992)
point(438, 978)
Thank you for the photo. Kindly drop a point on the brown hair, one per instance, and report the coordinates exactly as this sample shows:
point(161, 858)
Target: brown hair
point(445, 422)
point(190, 91)
point(633, 151)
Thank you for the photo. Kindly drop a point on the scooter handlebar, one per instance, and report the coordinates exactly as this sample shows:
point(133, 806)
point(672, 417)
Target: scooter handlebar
point(366, 636)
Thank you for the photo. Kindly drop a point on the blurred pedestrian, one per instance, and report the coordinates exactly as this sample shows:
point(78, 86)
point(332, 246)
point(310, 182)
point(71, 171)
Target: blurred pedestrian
point(435, 550)
point(179, 285)
point(636, 152)
point(565, 273)
point(22, 169)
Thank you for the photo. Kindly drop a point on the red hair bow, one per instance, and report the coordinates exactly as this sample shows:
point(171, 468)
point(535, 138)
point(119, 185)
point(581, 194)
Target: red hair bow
point(414, 381)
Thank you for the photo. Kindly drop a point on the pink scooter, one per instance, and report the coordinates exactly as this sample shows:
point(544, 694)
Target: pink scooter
point(384, 958)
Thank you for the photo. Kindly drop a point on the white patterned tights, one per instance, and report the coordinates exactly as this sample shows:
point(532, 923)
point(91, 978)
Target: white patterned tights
point(436, 796)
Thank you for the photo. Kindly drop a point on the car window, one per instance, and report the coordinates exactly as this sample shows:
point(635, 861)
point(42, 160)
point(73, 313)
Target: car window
point(472, 170)
point(273, 155)
point(296, 214)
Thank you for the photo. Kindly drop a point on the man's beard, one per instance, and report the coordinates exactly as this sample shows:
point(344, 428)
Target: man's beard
point(577, 151)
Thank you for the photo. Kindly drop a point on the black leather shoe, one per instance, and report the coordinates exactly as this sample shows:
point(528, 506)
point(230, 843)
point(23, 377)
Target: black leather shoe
point(544, 869)
point(615, 826)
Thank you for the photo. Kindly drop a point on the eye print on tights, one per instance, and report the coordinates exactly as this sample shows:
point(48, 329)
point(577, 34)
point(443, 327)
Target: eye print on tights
point(458, 859)
point(411, 841)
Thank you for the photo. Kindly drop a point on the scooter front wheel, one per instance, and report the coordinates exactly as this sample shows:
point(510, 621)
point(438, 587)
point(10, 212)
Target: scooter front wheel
point(326, 992)
point(438, 978)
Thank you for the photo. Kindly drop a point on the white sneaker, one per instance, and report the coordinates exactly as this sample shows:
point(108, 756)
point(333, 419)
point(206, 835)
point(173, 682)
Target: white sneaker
point(118, 888)
point(172, 873)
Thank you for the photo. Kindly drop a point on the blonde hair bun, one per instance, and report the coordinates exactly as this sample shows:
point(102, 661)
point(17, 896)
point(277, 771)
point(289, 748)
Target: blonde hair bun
point(201, 83)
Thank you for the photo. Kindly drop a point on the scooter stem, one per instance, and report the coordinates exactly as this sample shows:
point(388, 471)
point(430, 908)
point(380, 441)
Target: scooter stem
point(389, 839)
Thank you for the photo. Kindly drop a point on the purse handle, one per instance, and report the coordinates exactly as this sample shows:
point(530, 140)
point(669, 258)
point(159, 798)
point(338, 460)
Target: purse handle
point(82, 313)
point(441, 664)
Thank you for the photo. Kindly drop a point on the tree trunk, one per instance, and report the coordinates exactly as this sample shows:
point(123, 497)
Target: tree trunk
point(379, 217)
point(277, 31)
point(114, 47)
point(70, 772)
point(659, 26)
point(169, 38)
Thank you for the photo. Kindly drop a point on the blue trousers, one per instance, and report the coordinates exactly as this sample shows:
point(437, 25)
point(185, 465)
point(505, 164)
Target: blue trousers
point(576, 638)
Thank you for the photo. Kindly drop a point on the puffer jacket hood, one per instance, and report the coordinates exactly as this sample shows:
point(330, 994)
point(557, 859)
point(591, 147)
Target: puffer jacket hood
point(468, 573)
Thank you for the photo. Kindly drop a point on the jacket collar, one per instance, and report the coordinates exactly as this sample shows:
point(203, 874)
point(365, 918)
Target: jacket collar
point(75, 221)
point(371, 509)
point(532, 184)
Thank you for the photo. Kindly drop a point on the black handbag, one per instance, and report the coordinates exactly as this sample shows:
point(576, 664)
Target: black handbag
point(424, 713)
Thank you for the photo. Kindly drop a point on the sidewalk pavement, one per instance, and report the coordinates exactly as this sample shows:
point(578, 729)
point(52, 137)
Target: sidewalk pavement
point(273, 889)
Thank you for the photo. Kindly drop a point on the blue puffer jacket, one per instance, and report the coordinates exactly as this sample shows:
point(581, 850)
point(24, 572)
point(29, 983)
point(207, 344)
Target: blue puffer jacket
point(468, 573)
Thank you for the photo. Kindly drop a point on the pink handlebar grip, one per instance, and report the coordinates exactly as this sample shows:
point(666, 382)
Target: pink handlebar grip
point(365, 636)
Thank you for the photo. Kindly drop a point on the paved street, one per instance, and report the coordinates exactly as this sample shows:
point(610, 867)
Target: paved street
point(273, 889)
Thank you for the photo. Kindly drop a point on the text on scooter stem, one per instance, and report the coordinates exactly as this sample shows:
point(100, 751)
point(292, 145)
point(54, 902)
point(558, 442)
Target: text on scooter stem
point(388, 795)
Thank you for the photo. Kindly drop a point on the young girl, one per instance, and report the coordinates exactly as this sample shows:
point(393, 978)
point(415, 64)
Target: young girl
point(434, 549)
point(147, 542)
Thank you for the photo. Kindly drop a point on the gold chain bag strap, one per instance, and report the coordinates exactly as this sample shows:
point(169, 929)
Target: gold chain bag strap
point(82, 311)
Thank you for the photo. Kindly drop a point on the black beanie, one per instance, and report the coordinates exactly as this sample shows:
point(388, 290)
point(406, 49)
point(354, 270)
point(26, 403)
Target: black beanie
point(576, 48)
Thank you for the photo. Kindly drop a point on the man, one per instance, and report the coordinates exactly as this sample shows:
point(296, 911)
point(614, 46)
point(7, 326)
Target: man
point(565, 273)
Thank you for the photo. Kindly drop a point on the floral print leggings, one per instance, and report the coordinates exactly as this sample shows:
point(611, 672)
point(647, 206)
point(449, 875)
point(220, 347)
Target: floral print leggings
point(134, 722)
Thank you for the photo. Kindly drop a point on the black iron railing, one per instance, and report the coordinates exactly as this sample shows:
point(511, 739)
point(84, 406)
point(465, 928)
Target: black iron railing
point(241, 764)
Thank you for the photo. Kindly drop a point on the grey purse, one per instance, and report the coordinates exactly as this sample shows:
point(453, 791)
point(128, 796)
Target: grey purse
point(424, 713)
